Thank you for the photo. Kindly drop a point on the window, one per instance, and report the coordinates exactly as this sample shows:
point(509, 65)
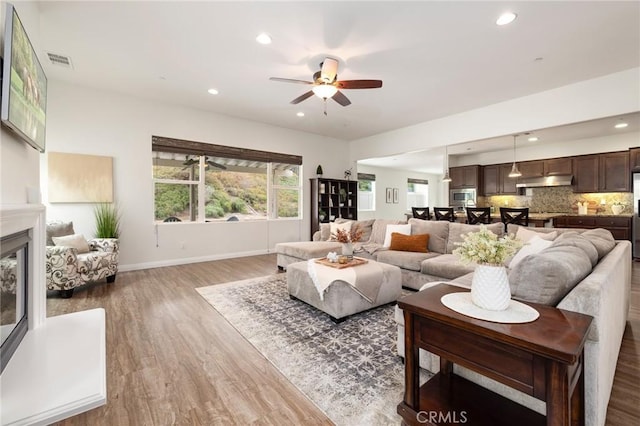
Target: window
point(417, 193)
point(204, 182)
point(366, 191)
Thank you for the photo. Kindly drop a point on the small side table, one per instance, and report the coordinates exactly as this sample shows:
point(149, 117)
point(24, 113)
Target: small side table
point(543, 358)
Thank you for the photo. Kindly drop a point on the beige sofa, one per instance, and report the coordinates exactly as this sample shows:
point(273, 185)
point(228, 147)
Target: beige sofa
point(603, 292)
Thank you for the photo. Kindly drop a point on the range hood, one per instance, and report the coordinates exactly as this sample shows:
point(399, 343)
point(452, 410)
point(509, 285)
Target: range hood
point(536, 182)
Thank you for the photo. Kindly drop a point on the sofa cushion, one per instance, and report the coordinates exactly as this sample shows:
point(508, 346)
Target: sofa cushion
point(379, 230)
point(365, 225)
point(546, 277)
point(577, 240)
point(58, 229)
point(409, 260)
point(308, 249)
point(334, 227)
point(601, 239)
point(446, 266)
point(533, 246)
point(76, 241)
point(404, 228)
point(526, 235)
point(438, 231)
point(325, 231)
point(417, 243)
point(458, 230)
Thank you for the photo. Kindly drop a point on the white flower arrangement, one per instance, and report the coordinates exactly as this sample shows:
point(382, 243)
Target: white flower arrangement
point(484, 247)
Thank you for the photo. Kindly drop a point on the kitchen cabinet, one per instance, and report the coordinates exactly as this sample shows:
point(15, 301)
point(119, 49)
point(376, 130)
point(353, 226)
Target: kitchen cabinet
point(619, 226)
point(530, 169)
point(558, 166)
point(331, 199)
point(614, 172)
point(465, 177)
point(608, 172)
point(497, 181)
point(634, 159)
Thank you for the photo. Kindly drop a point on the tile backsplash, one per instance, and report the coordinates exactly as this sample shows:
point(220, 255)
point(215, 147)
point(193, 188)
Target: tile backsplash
point(560, 199)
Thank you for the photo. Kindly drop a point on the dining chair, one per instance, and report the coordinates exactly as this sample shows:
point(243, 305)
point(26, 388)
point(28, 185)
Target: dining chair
point(444, 213)
point(421, 213)
point(517, 216)
point(476, 215)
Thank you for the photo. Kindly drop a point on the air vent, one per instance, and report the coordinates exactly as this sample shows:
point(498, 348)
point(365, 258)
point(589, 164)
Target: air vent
point(60, 60)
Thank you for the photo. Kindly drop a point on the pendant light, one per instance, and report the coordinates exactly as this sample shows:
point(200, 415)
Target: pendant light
point(446, 177)
point(514, 168)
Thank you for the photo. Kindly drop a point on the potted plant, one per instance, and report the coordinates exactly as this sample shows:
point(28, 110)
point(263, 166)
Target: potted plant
point(107, 221)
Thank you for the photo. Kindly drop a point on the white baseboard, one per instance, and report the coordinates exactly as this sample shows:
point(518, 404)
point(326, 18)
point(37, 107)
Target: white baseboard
point(187, 260)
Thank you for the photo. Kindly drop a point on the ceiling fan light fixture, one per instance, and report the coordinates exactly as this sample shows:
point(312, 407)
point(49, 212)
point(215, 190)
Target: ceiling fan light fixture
point(324, 91)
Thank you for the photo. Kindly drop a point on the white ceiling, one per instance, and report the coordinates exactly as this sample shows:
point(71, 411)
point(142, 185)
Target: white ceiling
point(435, 58)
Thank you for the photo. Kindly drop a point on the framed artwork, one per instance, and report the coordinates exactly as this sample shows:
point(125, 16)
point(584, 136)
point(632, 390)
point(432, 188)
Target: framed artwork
point(389, 195)
point(396, 195)
point(78, 178)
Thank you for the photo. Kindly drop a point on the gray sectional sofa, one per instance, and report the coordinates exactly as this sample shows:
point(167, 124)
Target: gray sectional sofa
point(585, 271)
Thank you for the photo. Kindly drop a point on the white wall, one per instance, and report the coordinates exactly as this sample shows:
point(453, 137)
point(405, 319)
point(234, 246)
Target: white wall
point(393, 178)
point(610, 95)
point(88, 121)
point(532, 151)
point(19, 162)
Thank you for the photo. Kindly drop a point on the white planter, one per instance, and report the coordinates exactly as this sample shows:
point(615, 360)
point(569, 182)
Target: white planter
point(347, 249)
point(617, 209)
point(490, 287)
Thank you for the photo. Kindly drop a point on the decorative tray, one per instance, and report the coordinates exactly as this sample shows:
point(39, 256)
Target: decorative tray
point(353, 262)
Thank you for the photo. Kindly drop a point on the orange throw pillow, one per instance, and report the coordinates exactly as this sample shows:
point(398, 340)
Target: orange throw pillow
point(417, 243)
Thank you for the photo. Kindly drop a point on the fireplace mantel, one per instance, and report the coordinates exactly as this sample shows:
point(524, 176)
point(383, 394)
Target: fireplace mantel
point(59, 369)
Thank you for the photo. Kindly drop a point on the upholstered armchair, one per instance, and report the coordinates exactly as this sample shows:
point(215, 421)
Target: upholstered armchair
point(70, 266)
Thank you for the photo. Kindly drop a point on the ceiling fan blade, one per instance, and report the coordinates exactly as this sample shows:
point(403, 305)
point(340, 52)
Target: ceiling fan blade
point(359, 84)
point(302, 97)
point(340, 98)
point(329, 70)
point(289, 80)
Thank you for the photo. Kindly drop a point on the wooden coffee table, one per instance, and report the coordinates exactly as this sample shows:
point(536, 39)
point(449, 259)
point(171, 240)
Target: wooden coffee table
point(543, 359)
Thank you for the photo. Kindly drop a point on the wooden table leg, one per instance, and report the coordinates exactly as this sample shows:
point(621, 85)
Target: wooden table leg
point(558, 398)
point(411, 364)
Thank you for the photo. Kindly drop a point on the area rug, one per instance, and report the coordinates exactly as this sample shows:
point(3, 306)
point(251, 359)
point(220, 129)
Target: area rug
point(350, 370)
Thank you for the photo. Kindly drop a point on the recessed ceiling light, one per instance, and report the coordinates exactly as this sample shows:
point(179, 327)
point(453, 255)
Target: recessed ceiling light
point(263, 38)
point(300, 114)
point(621, 125)
point(506, 18)
point(533, 139)
point(213, 91)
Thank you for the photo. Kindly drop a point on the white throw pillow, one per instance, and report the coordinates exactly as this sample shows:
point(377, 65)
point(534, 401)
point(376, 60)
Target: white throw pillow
point(76, 241)
point(525, 235)
point(345, 226)
point(535, 245)
point(402, 229)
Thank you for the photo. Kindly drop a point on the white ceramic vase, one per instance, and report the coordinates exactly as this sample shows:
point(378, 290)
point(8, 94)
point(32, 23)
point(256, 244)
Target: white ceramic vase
point(347, 249)
point(617, 209)
point(490, 287)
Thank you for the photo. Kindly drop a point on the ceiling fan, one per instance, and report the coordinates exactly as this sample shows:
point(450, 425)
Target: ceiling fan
point(326, 84)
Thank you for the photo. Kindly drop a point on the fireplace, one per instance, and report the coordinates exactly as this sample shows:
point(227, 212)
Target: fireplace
point(59, 362)
point(14, 274)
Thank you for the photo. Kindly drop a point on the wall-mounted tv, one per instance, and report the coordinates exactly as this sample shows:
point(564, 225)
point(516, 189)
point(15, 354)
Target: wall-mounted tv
point(24, 85)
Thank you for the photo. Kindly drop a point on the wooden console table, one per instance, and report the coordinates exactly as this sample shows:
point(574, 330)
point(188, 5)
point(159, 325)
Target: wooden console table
point(543, 359)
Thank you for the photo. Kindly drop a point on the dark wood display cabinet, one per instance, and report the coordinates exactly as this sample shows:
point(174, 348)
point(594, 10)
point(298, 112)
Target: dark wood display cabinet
point(331, 199)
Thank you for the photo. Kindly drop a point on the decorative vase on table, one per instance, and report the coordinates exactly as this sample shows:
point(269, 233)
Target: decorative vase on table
point(347, 249)
point(490, 287)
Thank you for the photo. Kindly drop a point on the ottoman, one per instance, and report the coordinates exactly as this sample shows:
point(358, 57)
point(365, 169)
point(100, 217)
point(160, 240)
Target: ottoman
point(340, 299)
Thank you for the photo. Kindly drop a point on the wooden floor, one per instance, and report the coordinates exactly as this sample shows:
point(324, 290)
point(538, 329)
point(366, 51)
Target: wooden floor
point(172, 359)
